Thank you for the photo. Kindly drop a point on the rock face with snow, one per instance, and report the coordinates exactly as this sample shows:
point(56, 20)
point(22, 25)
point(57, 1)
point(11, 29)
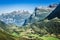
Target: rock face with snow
point(15, 17)
point(44, 13)
point(40, 14)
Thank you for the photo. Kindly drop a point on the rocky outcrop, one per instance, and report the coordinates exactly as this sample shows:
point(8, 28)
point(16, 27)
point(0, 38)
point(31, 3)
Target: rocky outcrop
point(53, 5)
point(54, 13)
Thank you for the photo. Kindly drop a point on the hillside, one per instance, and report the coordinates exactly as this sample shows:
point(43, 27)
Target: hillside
point(5, 36)
point(47, 27)
point(41, 30)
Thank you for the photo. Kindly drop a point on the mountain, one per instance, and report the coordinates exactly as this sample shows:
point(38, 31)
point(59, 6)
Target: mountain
point(42, 13)
point(54, 13)
point(40, 25)
point(15, 17)
point(21, 18)
point(39, 14)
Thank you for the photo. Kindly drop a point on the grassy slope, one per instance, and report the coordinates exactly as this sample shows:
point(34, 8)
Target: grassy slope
point(49, 38)
point(5, 36)
point(27, 36)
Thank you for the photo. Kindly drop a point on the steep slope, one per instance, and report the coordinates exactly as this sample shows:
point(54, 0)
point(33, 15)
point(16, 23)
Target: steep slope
point(47, 27)
point(54, 13)
point(5, 36)
point(43, 13)
point(3, 26)
point(46, 30)
point(39, 14)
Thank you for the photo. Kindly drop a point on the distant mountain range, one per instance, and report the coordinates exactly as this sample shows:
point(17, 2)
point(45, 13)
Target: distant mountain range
point(15, 17)
point(24, 17)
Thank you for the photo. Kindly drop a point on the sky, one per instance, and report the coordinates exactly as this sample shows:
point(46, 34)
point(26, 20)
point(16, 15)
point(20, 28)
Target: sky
point(7, 6)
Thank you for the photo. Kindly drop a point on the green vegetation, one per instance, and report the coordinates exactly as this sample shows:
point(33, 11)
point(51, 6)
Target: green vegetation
point(5, 36)
point(49, 38)
point(47, 27)
point(42, 30)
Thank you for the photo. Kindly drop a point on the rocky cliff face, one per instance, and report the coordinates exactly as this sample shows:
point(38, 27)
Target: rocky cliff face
point(39, 14)
point(54, 13)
